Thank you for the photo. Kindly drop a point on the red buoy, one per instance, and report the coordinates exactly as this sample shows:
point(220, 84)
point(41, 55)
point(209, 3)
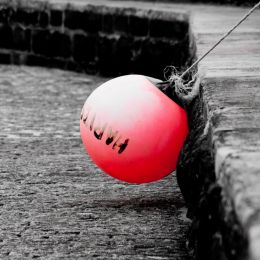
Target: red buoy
point(132, 130)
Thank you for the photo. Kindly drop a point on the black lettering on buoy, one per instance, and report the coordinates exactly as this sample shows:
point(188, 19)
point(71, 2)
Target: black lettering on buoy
point(92, 122)
point(98, 132)
point(85, 117)
point(121, 146)
point(111, 136)
point(98, 128)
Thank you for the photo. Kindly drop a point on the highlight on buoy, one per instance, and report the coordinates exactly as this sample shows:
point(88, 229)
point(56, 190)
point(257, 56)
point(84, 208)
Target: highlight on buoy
point(132, 130)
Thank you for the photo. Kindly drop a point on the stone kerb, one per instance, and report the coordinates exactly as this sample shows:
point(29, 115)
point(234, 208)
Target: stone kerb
point(219, 167)
point(92, 38)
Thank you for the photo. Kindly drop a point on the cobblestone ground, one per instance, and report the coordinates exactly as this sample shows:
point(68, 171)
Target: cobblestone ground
point(54, 203)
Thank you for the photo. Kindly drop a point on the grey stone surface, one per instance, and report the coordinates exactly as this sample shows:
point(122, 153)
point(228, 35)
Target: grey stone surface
point(54, 202)
point(219, 167)
point(231, 90)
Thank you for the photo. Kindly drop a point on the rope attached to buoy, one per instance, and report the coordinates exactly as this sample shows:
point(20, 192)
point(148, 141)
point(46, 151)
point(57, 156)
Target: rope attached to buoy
point(187, 91)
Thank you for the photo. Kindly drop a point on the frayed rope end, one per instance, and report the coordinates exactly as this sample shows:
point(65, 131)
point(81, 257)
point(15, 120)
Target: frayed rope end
point(186, 90)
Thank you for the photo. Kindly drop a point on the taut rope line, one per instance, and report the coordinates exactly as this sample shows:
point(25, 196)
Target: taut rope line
point(221, 39)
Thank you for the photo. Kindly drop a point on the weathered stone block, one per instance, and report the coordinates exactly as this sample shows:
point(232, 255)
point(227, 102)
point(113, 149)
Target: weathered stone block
point(168, 28)
point(5, 58)
point(41, 42)
point(60, 45)
point(92, 22)
point(21, 38)
point(154, 57)
point(115, 55)
point(74, 19)
point(84, 48)
point(107, 23)
point(56, 18)
point(20, 16)
point(51, 44)
point(43, 19)
point(138, 25)
point(5, 15)
point(106, 62)
point(6, 36)
point(121, 23)
point(27, 17)
point(123, 54)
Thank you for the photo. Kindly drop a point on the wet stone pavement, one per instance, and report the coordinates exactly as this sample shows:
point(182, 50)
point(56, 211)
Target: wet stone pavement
point(54, 203)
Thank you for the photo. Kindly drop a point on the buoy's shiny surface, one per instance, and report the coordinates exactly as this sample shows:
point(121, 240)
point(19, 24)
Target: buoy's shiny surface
point(131, 130)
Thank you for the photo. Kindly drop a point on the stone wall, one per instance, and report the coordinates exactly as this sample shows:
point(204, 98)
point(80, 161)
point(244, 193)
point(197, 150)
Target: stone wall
point(94, 39)
point(219, 167)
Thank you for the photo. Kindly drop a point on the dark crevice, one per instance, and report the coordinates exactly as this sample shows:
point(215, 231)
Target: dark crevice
point(214, 233)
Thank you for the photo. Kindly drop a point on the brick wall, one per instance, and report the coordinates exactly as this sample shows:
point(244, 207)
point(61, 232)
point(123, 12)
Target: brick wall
point(94, 39)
